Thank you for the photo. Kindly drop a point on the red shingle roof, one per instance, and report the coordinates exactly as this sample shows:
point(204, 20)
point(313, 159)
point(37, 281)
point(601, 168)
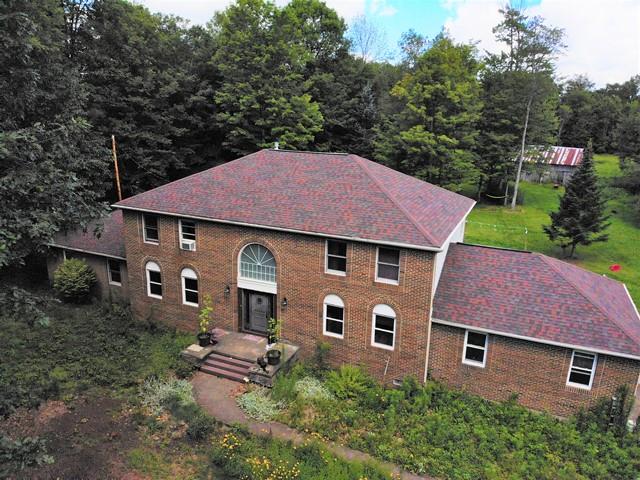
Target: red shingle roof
point(339, 195)
point(110, 243)
point(565, 156)
point(531, 295)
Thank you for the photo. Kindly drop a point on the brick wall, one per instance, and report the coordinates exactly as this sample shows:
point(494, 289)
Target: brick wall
point(536, 372)
point(103, 289)
point(301, 279)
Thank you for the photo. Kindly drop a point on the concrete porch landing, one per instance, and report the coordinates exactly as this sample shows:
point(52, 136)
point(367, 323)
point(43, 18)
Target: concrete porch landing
point(234, 357)
point(244, 346)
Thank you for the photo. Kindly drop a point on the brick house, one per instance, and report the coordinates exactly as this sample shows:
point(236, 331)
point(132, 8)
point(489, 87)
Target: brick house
point(350, 252)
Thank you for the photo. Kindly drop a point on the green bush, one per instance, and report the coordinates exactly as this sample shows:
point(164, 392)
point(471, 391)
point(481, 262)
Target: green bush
point(259, 405)
point(73, 280)
point(349, 382)
point(16, 455)
point(157, 394)
point(310, 388)
point(200, 426)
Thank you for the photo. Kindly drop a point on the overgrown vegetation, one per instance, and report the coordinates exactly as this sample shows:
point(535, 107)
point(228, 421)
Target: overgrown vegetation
point(433, 430)
point(242, 456)
point(83, 348)
point(16, 455)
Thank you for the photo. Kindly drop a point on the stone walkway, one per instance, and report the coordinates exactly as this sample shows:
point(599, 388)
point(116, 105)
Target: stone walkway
point(217, 397)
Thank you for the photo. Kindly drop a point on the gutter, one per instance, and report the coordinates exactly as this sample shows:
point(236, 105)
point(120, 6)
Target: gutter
point(536, 340)
point(282, 229)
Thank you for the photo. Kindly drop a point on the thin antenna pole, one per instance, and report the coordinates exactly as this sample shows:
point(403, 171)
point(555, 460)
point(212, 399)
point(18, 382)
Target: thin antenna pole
point(115, 162)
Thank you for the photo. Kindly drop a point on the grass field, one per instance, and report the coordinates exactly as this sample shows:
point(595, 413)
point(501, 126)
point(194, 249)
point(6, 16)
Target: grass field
point(522, 228)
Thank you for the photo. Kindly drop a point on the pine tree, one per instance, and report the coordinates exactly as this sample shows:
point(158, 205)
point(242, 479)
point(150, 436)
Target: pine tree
point(581, 218)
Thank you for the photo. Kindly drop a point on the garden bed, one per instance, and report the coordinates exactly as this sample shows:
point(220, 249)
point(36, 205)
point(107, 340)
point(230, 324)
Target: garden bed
point(448, 434)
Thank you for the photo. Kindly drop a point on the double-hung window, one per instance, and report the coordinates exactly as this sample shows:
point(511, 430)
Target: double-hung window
point(383, 331)
point(150, 228)
point(336, 257)
point(113, 269)
point(187, 235)
point(582, 369)
point(388, 265)
point(189, 287)
point(475, 348)
point(333, 324)
point(154, 280)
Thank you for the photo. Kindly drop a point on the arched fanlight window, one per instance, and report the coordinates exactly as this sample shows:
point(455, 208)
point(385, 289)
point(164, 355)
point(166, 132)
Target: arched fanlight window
point(257, 263)
point(383, 331)
point(333, 316)
point(189, 287)
point(154, 280)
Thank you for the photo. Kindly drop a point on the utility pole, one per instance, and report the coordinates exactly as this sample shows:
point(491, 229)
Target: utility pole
point(115, 163)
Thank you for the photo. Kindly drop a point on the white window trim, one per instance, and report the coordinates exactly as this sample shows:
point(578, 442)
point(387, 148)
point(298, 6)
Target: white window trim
point(334, 301)
point(111, 281)
point(183, 277)
point(195, 226)
point(148, 277)
point(144, 230)
point(584, 370)
point(384, 311)
point(387, 280)
point(326, 258)
point(485, 349)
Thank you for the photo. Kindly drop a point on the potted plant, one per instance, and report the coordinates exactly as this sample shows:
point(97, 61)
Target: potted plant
point(273, 356)
point(272, 333)
point(204, 335)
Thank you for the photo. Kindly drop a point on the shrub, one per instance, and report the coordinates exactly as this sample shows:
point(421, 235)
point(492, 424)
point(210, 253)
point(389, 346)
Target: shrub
point(321, 354)
point(258, 404)
point(349, 382)
point(310, 388)
point(200, 426)
point(73, 280)
point(158, 394)
point(16, 455)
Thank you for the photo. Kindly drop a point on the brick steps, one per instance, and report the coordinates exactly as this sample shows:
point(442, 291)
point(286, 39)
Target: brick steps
point(227, 367)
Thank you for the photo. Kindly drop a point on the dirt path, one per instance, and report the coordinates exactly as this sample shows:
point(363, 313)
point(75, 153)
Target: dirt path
point(217, 397)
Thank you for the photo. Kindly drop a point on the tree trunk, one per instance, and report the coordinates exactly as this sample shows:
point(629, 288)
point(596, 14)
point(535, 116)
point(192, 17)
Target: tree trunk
point(522, 146)
point(573, 249)
point(506, 193)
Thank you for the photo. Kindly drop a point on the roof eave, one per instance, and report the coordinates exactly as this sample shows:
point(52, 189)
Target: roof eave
point(90, 252)
point(536, 340)
point(283, 229)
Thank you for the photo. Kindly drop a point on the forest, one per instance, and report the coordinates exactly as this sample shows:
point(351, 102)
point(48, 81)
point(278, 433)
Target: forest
point(181, 98)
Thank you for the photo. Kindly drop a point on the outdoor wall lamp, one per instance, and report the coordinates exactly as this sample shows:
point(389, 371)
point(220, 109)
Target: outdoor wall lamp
point(227, 290)
point(285, 302)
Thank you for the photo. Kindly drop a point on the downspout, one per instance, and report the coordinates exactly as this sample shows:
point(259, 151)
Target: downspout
point(429, 315)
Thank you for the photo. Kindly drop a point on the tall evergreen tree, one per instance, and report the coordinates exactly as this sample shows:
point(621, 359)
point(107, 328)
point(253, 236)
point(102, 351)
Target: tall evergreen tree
point(581, 218)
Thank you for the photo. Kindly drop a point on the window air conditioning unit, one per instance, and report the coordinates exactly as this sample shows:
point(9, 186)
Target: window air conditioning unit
point(188, 245)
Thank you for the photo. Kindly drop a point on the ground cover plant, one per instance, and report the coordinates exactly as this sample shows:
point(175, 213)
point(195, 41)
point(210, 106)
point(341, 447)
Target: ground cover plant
point(503, 227)
point(446, 433)
point(83, 348)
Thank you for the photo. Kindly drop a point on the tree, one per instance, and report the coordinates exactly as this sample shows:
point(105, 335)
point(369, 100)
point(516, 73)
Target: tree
point(142, 74)
point(433, 134)
point(577, 103)
point(262, 96)
point(581, 218)
point(368, 39)
point(526, 68)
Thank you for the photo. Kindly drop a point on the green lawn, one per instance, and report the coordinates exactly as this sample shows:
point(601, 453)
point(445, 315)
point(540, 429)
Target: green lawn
point(492, 225)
